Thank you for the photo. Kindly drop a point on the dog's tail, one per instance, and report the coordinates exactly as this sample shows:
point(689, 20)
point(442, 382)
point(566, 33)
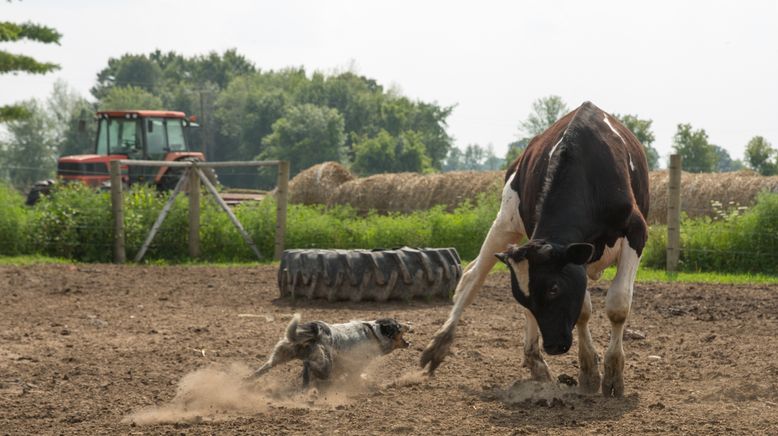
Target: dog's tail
point(291, 329)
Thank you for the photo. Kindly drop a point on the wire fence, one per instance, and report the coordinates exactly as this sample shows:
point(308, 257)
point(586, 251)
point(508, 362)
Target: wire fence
point(729, 223)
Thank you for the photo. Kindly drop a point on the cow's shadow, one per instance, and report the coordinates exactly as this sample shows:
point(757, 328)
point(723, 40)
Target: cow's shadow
point(363, 306)
point(549, 405)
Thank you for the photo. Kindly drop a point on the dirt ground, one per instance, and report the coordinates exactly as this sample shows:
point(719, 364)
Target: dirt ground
point(102, 349)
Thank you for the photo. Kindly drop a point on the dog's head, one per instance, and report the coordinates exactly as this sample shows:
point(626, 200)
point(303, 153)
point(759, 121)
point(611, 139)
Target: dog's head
point(390, 334)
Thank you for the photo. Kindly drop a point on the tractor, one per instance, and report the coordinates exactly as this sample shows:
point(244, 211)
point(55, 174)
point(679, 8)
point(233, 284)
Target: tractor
point(128, 134)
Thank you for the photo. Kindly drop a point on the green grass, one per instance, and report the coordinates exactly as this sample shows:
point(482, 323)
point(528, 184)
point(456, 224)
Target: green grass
point(32, 260)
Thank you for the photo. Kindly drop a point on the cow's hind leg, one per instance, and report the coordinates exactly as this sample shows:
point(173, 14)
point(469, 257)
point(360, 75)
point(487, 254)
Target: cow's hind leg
point(589, 372)
point(532, 358)
point(617, 306)
point(507, 228)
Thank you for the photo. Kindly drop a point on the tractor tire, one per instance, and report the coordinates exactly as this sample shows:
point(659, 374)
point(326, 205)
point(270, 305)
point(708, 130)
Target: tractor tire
point(39, 189)
point(369, 275)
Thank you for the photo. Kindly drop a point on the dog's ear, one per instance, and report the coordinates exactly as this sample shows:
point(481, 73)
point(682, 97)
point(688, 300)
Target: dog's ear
point(389, 327)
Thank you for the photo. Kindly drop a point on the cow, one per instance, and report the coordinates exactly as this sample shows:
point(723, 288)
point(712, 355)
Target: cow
point(579, 192)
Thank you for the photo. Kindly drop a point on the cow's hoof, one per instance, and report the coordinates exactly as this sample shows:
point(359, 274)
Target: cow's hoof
point(437, 350)
point(589, 382)
point(612, 383)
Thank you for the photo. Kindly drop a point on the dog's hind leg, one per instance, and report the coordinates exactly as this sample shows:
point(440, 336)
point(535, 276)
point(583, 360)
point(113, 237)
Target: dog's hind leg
point(282, 353)
point(319, 364)
point(306, 375)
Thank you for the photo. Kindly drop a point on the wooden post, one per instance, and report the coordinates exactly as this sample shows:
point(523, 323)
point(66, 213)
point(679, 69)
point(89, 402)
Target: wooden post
point(282, 192)
point(158, 223)
point(674, 213)
point(194, 214)
point(119, 253)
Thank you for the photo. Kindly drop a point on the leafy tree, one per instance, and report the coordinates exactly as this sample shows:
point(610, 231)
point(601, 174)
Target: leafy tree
point(14, 63)
point(453, 161)
point(761, 156)
point(515, 149)
point(642, 131)
point(386, 153)
point(724, 162)
point(545, 112)
point(29, 154)
point(129, 97)
point(72, 120)
point(305, 135)
point(698, 155)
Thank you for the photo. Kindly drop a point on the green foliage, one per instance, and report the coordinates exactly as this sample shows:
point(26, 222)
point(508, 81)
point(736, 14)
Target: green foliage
point(12, 63)
point(305, 135)
point(545, 112)
point(129, 97)
point(29, 153)
point(385, 153)
point(724, 162)
point(642, 131)
point(736, 240)
point(761, 156)
point(13, 222)
point(698, 155)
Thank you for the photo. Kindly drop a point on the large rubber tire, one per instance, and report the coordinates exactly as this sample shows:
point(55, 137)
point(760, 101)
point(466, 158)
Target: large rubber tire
point(369, 275)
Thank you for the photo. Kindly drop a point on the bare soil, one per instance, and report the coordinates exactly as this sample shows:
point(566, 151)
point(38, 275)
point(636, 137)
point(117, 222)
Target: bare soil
point(103, 349)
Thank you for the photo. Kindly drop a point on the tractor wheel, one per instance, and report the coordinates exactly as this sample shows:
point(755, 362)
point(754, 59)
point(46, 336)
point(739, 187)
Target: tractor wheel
point(39, 189)
point(376, 275)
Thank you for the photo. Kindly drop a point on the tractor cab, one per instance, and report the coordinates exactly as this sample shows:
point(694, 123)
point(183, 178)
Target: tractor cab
point(134, 134)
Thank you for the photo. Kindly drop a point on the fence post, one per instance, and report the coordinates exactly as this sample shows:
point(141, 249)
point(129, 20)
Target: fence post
point(282, 191)
point(119, 253)
point(674, 213)
point(194, 213)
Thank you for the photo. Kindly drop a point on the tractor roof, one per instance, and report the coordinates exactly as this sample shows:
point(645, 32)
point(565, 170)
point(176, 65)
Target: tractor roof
point(141, 114)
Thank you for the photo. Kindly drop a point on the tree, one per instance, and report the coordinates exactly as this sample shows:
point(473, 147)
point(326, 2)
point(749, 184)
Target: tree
point(515, 149)
point(386, 153)
point(692, 145)
point(14, 63)
point(305, 135)
point(29, 154)
point(545, 112)
point(72, 120)
point(642, 131)
point(128, 98)
point(761, 156)
point(453, 161)
point(724, 162)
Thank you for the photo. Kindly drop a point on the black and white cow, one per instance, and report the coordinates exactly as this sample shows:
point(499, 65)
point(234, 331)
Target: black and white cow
point(580, 193)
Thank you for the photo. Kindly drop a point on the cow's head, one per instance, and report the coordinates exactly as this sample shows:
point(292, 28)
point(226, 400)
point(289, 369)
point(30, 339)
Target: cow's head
point(550, 280)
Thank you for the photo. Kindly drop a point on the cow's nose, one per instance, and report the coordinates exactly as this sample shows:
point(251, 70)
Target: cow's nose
point(554, 349)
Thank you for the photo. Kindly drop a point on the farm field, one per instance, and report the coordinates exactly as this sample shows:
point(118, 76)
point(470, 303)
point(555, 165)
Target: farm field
point(104, 349)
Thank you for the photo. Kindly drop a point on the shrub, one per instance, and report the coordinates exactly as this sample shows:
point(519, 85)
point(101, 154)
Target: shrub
point(13, 222)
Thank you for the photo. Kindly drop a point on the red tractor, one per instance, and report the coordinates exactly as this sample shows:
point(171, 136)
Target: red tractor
point(130, 134)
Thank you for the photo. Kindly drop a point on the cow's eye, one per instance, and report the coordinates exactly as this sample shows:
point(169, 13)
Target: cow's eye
point(553, 292)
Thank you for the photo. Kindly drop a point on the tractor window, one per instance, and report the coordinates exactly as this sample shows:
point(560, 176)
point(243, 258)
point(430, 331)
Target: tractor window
point(117, 135)
point(157, 142)
point(175, 135)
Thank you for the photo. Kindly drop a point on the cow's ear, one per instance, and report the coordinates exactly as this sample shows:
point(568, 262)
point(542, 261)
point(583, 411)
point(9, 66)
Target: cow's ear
point(579, 253)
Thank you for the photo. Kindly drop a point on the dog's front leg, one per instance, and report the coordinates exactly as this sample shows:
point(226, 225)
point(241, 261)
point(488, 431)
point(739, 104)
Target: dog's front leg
point(319, 363)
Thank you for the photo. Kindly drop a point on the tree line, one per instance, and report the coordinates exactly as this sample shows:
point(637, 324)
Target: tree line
point(248, 113)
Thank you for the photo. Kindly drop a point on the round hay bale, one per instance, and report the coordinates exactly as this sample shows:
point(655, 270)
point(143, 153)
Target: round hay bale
point(316, 184)
point(407, 192)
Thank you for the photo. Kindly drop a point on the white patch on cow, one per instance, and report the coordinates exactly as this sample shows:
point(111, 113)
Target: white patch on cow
point(521, 269)
point(608, 122)
point(553, 149)
point(508, 217)
point(631, 164)
point(609, 256)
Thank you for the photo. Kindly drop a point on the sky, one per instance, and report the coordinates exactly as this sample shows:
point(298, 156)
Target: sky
point(713, 64)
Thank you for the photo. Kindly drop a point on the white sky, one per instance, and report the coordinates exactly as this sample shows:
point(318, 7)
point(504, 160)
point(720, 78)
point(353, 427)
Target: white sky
point(713, 64)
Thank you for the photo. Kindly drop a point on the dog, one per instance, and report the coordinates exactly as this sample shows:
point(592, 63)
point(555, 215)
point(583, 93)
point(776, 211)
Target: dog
point(325, 348)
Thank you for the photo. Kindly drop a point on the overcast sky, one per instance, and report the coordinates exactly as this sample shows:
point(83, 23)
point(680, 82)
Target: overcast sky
point(713, 64)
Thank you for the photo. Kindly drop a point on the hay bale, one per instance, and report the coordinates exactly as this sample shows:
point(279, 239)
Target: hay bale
point(700, 190)
point(407, 192)
point(316, 184)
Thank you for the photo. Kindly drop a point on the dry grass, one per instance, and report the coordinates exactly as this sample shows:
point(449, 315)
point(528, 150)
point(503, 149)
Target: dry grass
point(330, 183)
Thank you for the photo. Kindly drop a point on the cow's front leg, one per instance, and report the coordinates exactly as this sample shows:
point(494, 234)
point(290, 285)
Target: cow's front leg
point(532, 358)
point(617, 306)
point(589, 371)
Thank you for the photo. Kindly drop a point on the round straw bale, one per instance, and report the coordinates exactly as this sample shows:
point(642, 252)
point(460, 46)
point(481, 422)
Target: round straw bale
point(315, 184)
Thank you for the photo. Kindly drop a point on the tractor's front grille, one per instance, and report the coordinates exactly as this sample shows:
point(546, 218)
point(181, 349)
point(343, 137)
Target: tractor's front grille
point(82, 169)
